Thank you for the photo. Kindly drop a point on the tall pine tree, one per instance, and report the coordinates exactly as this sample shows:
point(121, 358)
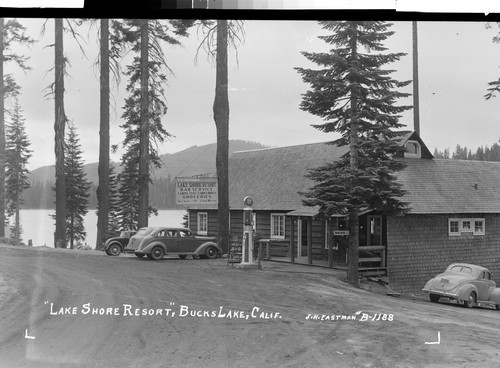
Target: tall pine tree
point(77, 189)
point(356, 97)
point(12, 33)
point(17, 155)
point(144, 109)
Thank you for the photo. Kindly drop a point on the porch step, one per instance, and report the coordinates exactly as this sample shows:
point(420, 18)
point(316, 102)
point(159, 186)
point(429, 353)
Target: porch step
point(371, 259)
point(372, 271)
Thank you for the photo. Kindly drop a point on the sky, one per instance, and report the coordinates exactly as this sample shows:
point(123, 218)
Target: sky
point(456, 62)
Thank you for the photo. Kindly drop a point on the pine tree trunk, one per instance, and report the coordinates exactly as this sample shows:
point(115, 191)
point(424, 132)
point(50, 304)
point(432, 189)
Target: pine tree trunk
point(59, 129)
point(17, 223)
point(103, 168)
point(2, 136)
point(416, 99)
point(144, 131)
point(353, 255)
point(221, 117)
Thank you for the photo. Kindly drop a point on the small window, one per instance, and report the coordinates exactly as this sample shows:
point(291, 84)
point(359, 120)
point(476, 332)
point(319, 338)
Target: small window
point(457, 227)
point(278, 226)
point(412, 149)
point(466, 226)
point(202, 223)
point(479, 227)
point(454, 226)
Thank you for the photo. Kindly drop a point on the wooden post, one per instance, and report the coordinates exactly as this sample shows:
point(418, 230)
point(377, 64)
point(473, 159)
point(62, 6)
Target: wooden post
point(259, 255)
point(309, 241)
point(329, 241)
point(292, 239)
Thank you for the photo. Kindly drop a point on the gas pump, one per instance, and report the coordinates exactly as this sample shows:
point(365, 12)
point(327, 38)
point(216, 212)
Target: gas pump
point(247, 246)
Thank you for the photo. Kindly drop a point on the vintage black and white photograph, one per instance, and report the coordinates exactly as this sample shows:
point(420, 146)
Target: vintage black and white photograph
point(239, 192)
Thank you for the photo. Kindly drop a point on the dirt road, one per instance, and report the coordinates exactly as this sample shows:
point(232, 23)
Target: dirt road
point(62, 308)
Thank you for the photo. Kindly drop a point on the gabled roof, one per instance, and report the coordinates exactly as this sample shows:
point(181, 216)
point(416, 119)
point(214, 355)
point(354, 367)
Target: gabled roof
point(413, 136)
point(274, 177)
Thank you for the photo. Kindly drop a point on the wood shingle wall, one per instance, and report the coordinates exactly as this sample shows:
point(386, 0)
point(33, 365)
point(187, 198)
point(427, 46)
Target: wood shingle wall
point(419, 248)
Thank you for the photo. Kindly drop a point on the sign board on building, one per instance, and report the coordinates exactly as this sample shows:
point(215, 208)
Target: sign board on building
point(189, 191)
point(341, 232)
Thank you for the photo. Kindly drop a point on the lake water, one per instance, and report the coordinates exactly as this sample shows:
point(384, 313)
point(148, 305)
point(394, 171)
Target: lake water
point(39, 226)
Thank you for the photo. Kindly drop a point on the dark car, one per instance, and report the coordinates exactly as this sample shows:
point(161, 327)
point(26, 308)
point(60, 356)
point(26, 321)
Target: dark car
point(115, 246)
point(156, 242)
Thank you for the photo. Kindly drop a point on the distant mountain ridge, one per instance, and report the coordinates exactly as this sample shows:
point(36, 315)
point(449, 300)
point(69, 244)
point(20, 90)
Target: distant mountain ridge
point(195, 160)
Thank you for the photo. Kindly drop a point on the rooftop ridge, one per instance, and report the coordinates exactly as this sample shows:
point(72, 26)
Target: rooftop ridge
point(282, 147)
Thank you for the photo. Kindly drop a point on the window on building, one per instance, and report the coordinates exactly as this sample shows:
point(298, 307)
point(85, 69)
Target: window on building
point(202, 223)
point(454, 227)
point(457, 227)
point(478, 226)
point(412, 149)
point(278, 225)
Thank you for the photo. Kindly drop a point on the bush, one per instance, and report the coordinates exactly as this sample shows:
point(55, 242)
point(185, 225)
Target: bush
point(9, 241)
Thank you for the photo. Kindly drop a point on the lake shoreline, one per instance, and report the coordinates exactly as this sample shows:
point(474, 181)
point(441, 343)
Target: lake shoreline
point(39, 226)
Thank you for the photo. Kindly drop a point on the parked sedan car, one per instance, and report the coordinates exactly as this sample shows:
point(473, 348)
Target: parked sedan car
point(115, 246)
point(156, 242)
point(467, 284)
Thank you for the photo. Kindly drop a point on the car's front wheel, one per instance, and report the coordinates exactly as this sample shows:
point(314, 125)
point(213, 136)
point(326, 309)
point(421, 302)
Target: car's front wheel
point(114, 250)
point(156, 253)
point(434, 298)
point(211, 252)
point(470, 301)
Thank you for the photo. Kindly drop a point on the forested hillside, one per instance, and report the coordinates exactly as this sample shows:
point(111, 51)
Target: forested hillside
point(192, 161)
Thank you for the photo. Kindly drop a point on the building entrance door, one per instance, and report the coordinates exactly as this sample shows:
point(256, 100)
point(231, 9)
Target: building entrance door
point(302, 225)
point(374, 230)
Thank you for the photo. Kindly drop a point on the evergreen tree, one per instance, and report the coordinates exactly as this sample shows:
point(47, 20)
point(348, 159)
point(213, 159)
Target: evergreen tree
point(17, 155)
point(114, 203)
point(12, 33)
point(218, 37)
point(144, 109)
point(77, 189)
point(60, 120)
point(112, 221)
point(356, 97)
point(128, 191)
point(112, 41)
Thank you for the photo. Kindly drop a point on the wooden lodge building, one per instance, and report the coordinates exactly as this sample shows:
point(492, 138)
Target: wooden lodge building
point(454, 213)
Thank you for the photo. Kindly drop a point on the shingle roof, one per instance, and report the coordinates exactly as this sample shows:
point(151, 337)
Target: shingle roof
point(449, 186)
point(274, 177)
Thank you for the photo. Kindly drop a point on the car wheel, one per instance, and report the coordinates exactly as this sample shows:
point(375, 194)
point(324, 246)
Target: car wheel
point(434, 298)
point(182, 256)
point(211, 253)
point(139, 255)
point(156, 253)
point(114, 249)
point(470, 301)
